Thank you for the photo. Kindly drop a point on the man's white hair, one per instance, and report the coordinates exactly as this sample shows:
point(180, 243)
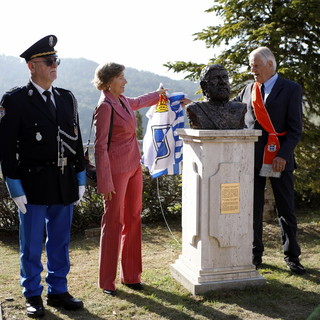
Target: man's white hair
point(265, 54)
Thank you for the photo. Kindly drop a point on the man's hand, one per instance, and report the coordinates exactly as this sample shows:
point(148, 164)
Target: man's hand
point(21, 202)
point(278, 164)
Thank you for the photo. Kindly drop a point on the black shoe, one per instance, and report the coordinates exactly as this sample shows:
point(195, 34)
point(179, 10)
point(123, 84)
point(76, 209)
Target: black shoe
point(295, 266)
point(64, 300)
point(257, 261)
point(34, 307)
point(134, 286)
point(110, 292)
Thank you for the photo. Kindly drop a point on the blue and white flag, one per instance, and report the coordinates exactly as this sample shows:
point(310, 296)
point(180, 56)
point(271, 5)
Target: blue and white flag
point(162, 147)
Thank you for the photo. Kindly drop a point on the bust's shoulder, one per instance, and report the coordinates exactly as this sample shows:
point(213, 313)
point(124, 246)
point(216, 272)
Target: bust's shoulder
point(236, 105)
point(196, 105)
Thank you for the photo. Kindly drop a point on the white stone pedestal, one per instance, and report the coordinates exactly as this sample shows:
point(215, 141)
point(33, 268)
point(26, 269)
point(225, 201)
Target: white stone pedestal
point(217, 202)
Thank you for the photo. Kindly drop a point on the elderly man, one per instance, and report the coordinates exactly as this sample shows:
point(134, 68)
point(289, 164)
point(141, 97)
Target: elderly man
point(43, 166)
point(274, 105)
point(216, 112)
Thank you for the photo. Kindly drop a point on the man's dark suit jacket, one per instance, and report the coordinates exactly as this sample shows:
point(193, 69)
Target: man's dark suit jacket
point(284, 106)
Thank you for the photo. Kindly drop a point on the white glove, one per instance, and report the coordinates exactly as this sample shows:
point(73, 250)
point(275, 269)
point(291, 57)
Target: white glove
point(82, 189)
point(21, 202)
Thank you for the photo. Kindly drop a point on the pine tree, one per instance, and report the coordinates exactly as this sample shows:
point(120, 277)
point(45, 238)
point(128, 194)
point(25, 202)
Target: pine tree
point(291, 29)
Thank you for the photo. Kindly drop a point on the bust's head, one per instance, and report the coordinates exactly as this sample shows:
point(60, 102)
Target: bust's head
point(214, 82)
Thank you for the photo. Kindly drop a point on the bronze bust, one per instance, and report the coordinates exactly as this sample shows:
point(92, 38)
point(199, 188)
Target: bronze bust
point(216, 112)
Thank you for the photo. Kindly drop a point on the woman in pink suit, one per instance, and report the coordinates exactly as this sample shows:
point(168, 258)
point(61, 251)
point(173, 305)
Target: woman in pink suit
point(119, 178)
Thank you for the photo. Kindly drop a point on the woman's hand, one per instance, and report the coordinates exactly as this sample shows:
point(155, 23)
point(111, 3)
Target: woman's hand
point(161, 91)
point(108, 196)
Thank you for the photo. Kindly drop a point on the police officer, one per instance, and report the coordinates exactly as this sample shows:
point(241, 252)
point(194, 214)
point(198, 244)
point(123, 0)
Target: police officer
point(43, 166)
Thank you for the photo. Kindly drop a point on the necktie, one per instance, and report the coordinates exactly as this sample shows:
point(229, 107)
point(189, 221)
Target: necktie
point(262, 91)
point(50, 104)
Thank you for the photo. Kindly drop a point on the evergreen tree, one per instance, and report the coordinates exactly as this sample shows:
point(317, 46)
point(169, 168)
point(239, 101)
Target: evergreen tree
point(291, 29)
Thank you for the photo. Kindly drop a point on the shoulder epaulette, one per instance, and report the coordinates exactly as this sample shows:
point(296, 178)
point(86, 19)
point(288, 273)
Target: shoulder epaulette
point(75, 104)
point(13, 90)
point(61, 89)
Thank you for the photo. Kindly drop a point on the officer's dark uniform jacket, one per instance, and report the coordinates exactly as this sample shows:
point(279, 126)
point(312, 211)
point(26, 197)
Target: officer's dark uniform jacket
point(31, 147)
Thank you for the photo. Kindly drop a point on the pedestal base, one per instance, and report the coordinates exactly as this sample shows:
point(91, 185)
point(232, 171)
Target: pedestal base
point(217, 209)
point(210, 280)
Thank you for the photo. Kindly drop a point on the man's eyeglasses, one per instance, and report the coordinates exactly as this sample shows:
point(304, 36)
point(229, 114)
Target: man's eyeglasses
point(49, 62)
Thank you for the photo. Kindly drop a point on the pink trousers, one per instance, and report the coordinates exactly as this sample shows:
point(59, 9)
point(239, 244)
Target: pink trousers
point(121, 231)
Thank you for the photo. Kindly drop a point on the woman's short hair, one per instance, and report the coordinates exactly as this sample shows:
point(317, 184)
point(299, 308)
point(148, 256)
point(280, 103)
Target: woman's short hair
point(265, 54)
point(105, 73)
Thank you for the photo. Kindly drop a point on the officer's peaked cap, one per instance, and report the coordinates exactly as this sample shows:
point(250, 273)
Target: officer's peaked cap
point(42, 48)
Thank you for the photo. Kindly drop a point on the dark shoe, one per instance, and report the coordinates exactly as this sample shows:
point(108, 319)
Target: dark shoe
point(134, 286)
point(110, 292)
point(257, 261)
point(34, 307)
point(295, 266)
point(64, 300)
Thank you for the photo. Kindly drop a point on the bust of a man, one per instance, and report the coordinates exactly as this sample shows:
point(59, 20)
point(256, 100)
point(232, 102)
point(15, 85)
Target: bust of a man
point(216, 111)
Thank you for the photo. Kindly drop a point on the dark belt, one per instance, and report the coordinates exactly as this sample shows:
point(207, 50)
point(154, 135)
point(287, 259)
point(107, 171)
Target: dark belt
point(45, 163)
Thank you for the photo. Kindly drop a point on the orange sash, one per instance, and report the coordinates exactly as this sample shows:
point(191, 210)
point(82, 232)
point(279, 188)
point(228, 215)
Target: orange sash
point(273, 145)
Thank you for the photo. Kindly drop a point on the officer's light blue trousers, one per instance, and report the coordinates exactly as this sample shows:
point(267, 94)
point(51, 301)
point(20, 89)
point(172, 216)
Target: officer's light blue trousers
point(57, 221)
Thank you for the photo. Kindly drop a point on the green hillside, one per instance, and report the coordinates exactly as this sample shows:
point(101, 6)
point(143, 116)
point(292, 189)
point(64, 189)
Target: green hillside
point(77, 74)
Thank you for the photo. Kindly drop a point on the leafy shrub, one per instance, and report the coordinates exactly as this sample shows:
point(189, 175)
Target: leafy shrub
point(9, 219)
point(88, 214)
point(163, 193)
point(307, 183)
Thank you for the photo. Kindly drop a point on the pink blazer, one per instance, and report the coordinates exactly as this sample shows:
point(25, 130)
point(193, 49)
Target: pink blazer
point(123, 154)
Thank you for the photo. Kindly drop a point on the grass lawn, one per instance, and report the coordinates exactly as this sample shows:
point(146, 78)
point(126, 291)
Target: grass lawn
point(285, 296)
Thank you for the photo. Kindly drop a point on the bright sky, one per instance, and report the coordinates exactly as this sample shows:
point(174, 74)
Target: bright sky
point(142, 34)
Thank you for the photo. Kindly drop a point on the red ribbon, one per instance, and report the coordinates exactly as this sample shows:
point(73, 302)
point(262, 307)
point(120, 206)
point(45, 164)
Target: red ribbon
point(273, 145)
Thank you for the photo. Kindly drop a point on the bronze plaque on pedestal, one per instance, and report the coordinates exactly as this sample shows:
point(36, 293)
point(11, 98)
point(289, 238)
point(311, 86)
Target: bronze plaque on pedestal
point(230, 198)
